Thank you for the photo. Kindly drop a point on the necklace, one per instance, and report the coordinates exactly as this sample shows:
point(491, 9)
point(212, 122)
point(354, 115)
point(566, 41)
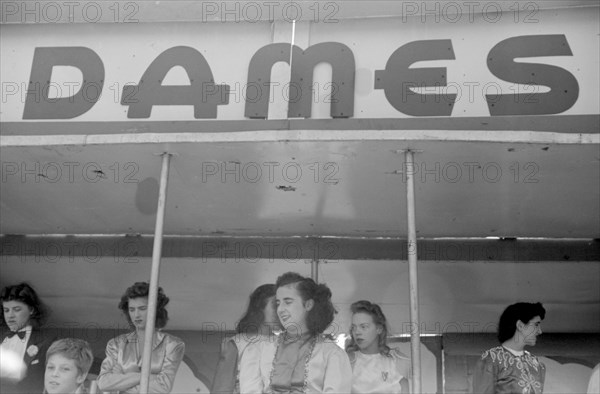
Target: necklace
point(280, 339)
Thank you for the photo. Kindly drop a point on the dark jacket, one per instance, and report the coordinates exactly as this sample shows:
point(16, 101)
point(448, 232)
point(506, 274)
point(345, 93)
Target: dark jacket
point(35, 361)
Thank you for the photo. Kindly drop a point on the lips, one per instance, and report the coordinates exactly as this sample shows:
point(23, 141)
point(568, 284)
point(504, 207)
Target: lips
point(284, 318)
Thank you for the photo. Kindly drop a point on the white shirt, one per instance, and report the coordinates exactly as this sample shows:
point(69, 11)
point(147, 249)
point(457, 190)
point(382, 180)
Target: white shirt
point(13, 349)
point(376, 373)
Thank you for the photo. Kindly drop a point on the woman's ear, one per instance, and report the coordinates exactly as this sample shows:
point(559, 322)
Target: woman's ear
point(520, 325)
point(308, 304)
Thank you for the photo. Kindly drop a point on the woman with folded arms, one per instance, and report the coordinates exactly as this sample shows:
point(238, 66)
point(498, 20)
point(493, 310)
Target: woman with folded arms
point(121, 369)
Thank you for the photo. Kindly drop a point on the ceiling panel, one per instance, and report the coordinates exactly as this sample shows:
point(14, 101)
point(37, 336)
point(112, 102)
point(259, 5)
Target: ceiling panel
point(348, 188)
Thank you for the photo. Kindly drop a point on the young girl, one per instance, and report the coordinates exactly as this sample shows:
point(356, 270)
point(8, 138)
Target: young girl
point(302, 359)
point(258, 323)
point(509, 368)
point(121, 369)
point(376, 367)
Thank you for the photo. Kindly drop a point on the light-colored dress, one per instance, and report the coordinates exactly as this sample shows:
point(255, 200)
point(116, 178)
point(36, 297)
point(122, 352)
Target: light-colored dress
point(500, 371)
point(122, 357)
point(310, 365)
point(226, 380)
point(376, 373)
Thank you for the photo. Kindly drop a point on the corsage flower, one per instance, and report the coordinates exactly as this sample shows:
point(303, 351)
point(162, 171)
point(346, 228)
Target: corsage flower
point(32, 350)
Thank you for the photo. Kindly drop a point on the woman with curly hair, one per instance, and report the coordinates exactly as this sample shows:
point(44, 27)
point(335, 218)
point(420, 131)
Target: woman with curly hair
point(302, 359)
point(509, 368)
point(121, 369)
point(258, 323)
point(24, 345)
point(376, 368)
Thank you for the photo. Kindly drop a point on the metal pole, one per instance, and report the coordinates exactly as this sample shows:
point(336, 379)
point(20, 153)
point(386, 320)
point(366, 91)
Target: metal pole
point(412, 274)
point(314, 270)
point(153, 293)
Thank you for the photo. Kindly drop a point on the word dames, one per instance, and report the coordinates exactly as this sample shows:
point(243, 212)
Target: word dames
point(397, 80)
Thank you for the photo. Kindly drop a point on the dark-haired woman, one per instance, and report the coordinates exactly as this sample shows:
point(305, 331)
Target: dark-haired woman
point(121, 369)
point(24, 346)
point(509, 368)
point(257, 324)
point(376, 368)
point(302, 359)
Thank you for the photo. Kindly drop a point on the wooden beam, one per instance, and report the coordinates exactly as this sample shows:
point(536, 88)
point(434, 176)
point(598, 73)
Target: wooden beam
point(500, 128)
point(133, 247)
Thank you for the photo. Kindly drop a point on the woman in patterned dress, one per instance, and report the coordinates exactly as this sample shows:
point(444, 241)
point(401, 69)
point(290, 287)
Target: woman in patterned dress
point(376, 368)
point(509, 368)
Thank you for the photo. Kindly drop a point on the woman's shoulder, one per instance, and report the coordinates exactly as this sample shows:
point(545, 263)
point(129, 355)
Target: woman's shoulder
point(397, 355)
point(497, 354)
point(262, 343)
point(243, 339)
point(533, 360)
point(329, 347)
point(172, 339)
point(327, 341)
point(123, 338)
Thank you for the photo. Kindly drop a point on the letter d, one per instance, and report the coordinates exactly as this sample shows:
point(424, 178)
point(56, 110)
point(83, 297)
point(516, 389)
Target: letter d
point(44, 59)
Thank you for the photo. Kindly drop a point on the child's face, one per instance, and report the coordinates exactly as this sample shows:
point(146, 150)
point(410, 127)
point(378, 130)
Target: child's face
point(62, 375)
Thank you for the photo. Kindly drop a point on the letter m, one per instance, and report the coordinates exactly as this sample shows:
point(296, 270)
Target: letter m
point(338, 55)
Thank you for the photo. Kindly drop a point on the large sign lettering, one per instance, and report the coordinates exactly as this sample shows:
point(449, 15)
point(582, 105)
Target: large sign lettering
point(202, 93)
point(303, 62)
point(398, 80)
point(39, 105)
point(564, 88)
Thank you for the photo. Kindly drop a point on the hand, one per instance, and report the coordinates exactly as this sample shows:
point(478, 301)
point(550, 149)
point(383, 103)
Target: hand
point(118, 369)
